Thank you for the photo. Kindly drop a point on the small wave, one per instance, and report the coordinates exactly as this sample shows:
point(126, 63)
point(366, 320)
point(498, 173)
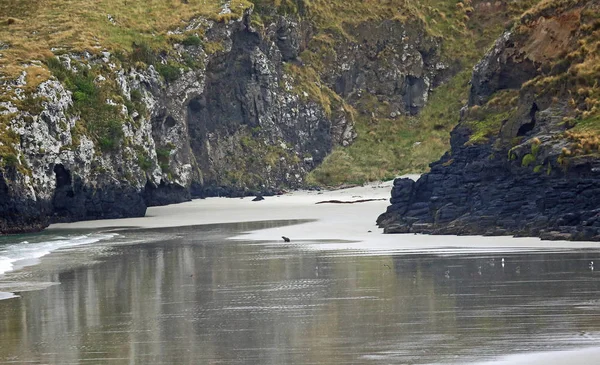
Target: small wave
point(6, 264)
point(5, 295)
point(14, 256)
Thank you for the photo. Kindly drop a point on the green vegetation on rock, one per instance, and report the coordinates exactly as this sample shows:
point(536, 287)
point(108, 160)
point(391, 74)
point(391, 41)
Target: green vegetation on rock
point(385, 147)
point(485, 121)
point(101, 119)
point(142, 33)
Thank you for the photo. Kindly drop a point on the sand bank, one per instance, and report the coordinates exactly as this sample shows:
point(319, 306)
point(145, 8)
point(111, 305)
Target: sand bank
point(589, 356)
point(351, 225)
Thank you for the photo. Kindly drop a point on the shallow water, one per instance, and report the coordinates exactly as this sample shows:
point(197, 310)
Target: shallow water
point(17, 251)
point(189, 296)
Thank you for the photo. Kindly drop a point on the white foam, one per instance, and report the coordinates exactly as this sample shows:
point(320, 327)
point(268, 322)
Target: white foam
point(5, 295)
point(6, 264)
point(18, 255)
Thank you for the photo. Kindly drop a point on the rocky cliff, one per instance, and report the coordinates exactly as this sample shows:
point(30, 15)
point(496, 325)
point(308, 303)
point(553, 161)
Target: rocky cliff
point(525, 156)
point(246, 99)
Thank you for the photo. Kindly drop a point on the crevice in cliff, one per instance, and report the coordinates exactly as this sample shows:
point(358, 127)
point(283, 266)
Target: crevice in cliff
point(4, 196)
point(63, 177)
point(414, 94)
point(221, 107)
point(528, 127)
point(63, 193)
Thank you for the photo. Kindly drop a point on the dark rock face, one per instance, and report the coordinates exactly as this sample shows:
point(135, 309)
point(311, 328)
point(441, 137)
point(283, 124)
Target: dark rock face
point(74, 200)
point(198, 191)
point(84, 203)
point(165, 194)
point(515, 178)
point(503, 68)
point(248, 132)
point(241, 103)
point(396, 62)
point(19, 213)
point(469, 193)
point(288, 39)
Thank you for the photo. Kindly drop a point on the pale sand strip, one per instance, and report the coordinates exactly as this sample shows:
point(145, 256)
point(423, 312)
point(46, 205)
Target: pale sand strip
point(347, 222)
point(589, 356)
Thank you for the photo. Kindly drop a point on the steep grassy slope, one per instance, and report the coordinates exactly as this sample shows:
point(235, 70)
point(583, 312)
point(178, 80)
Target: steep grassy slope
point(576, 73)
point(560, 40)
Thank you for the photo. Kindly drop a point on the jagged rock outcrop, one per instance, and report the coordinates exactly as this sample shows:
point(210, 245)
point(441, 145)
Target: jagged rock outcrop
point(397, 62)
point(523, 160)
point(229, 111)
point(246, 129)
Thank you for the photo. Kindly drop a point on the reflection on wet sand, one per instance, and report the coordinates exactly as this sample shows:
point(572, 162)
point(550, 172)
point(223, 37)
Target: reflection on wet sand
point(193, 297)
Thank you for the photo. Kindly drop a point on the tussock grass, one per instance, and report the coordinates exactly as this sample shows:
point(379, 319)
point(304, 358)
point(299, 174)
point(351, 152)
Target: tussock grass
point(573, 77)
point(34, 30)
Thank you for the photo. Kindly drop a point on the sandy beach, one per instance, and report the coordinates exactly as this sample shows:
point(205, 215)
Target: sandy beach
point(586, 356)
point(352, 223)
point(347, 232)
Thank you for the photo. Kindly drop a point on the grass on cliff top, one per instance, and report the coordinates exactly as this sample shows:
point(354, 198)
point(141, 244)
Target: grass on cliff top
point(465, 27)
point(33, 30)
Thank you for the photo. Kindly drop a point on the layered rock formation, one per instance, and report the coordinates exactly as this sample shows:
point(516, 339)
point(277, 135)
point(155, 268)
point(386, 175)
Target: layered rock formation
point(229, 111)
point(524, 158)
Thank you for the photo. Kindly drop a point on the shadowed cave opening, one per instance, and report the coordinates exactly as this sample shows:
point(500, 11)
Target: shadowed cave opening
point(63, 178)
point(62, 201)
point(415, 88)
point(528, 127)
point(4, 197)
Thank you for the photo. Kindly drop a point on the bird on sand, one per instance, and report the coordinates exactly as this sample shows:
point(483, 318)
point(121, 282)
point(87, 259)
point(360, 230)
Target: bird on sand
point(285, 239)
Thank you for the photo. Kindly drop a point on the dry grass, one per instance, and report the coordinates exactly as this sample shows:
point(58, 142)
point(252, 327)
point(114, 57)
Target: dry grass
point(575, 76)
point(584, 141)
point(34, 30)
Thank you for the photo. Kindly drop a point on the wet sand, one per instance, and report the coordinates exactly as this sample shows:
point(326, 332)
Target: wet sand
point(179, 291)
point(583, 356)
point(190, 296)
